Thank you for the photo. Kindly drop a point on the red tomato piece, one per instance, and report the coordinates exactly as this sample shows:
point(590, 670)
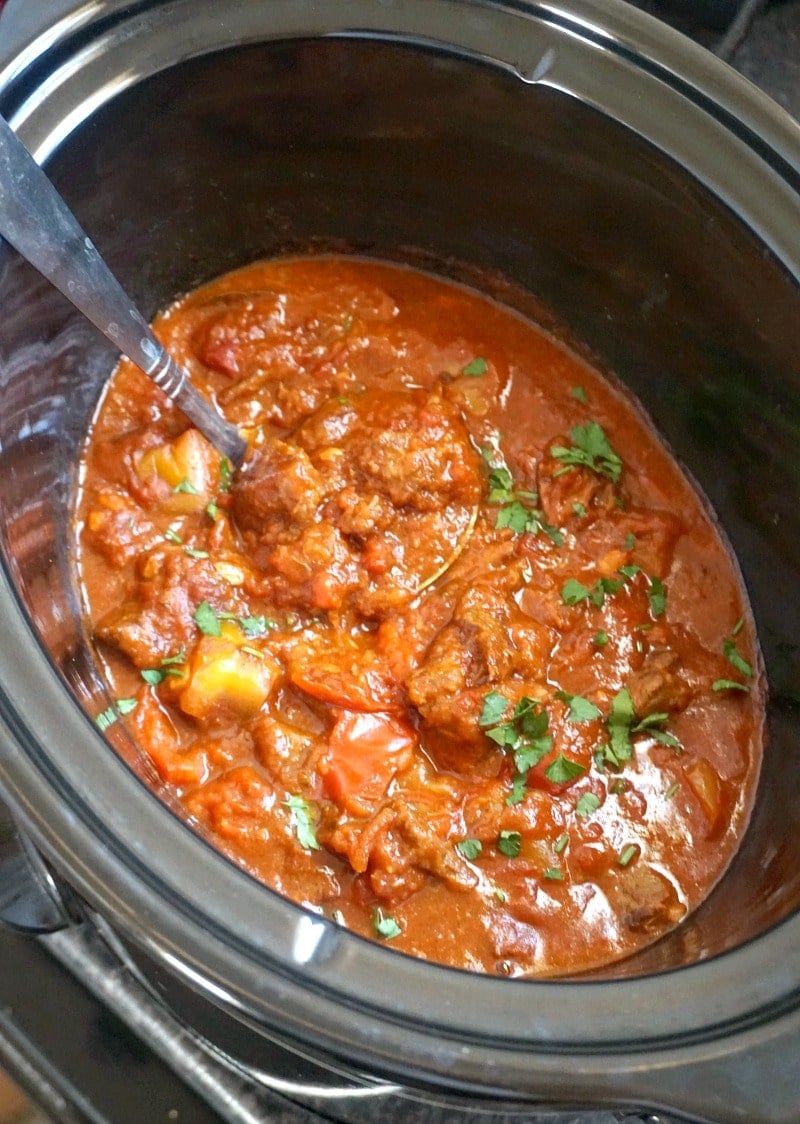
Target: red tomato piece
point(365, 752)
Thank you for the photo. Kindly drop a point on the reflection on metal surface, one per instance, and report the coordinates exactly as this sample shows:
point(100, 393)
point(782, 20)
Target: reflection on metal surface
point(29, 898)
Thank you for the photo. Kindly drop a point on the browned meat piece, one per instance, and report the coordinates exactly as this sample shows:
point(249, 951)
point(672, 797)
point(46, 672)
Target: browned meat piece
point(278, 486)
point(431, 853)
point(645, 900)
point(625, 537)
point(159, 620)
point(487, 642)
point(659, 685)
point(119, 535)
point(316, 570)
point(559, 490)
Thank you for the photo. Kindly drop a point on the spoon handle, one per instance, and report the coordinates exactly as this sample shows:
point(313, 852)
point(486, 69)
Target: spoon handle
point(36, 221)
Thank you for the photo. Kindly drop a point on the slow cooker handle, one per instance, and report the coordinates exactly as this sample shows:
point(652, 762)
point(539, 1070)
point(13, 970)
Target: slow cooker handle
point(32, 899)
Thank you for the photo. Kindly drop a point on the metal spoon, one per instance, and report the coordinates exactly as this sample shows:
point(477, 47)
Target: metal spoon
point(36, 221)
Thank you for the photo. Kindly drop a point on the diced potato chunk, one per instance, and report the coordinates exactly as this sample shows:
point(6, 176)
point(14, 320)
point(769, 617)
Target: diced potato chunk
point(705, 784)
point(189, 464)
point(225, 678)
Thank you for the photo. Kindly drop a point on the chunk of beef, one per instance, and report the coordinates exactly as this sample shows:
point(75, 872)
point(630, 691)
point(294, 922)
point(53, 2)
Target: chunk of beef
point(560, 487)
point(659, 684)
point(159, 618)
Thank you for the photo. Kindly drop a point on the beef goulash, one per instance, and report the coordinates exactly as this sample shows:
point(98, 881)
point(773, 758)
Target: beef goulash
point(459, 658)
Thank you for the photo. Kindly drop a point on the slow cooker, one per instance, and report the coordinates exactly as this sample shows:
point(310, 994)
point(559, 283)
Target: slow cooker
point(577, 160)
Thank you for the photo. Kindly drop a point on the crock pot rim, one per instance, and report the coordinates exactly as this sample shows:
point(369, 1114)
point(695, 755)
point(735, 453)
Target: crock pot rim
point(37, 787)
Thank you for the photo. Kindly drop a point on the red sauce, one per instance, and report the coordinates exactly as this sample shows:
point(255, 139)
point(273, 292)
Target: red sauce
point(458, 658)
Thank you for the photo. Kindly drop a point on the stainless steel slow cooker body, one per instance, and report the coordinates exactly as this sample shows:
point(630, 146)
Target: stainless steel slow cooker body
point(647, 200)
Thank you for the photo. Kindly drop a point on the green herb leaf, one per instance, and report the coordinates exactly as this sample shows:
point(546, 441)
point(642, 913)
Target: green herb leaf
point(212, 511)
point(154, 675)
point(561, 843)
point(206, 620)
point(729, 685)
point(501, 485)
point(737, 628)
point(591, 449)
point(573, 592)
point(509, 843)
point(627, 854)
point(630, 541)
point(476, 367)
point(579, 509)
point(501, 895)
point(732, 655)
point(192, 553)
point(671, 791)
point(469, 848)
point(518, 788)
point(600, 639)
point(176, 660)
point(579, 393)
point(619, 786)
point(186, 486)
point(225, 475)
point(562, 770)
point(580, 709)
point(303, 822)
point(629, 571)
point(107, 718)
point(665, 738)
point(172, 535)
point(494, 707)
point(254, 652)
point(657, 596)
point(125, 706)
point(553, 874)
point(385, 927)
point(587, 804)
point(255, 626)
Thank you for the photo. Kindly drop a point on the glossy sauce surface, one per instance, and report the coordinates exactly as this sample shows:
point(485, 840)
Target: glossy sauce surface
point(458, 658)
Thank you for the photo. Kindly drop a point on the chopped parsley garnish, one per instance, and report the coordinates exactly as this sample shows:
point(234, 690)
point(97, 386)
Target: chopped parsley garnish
point(186, 486)
point(591, 449)
point(574, 592)
point(255, 626)
point(562, 770)
point(192, 553)
point(587, 804)
point(154, 675)
point(385, 927)
point(494, 707)
point(619, 786)
point(657, 596)
point(212, 511)
point(579, 509)
point(501, 895)
point(553, 874)
point(117, 709)
point(225, 475)
point(207, 620)
point(252, 651)
point(580, 709)
point(173, 536)
point(673, 788)
point(476, 367)
point(519, 517)
point(523, 734)
point(600, 639)
point(729, 685)
point(509, 843)
point(630, 541)
point(579, 393)
point(303, 822)
point(561, 843)
point(469, 848)
point(176, 660)
point(733, 656)
point(627, 854)
point(622, 723)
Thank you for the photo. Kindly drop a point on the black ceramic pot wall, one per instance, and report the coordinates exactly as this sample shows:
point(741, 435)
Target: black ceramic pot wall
point(579, 176)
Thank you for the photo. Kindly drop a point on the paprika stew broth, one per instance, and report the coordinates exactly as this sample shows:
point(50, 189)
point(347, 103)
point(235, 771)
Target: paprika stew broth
point(458, 658)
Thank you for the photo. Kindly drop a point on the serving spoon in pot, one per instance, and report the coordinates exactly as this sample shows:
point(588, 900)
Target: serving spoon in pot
point(37, 222)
